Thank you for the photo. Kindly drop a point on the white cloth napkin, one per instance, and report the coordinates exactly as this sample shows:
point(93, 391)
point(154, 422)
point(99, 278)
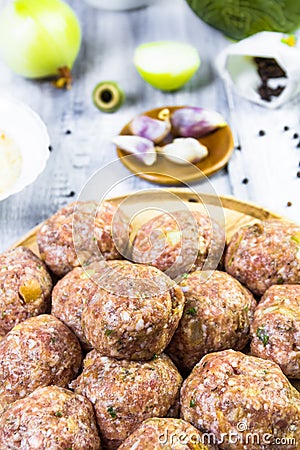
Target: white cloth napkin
point(236, 66)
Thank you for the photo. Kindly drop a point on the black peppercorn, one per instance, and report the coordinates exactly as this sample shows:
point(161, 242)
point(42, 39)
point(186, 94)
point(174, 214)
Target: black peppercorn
point(70, 194)
point(261, 133)
point(245, 181)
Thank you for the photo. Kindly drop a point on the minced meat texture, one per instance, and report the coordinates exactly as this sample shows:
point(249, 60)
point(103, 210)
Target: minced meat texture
point(276, 328)
point(71, 294)
point(125, 393)
point(25, 287)
point(51, 418)
point(81, 233)
point(38, 352)
point(137, 313)
point(66, 240)
point(232, 394)
point(179, 242)
point(217, 316)
point(175, 434)
point(112, 231)
point(264, 254)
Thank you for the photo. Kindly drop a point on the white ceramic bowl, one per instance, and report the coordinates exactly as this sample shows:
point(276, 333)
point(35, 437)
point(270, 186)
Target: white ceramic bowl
point(30, 134)
point(120, 5)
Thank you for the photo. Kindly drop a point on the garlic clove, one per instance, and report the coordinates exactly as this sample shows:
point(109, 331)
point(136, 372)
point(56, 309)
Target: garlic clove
point(139, 146)
point(196, 122)
point(153, 129)
point(184, 151)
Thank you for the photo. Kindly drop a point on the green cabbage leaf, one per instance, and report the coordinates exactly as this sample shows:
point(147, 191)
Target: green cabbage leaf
point(241, 18)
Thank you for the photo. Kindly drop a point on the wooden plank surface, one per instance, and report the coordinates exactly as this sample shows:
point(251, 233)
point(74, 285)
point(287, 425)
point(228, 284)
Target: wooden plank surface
point(109, 39)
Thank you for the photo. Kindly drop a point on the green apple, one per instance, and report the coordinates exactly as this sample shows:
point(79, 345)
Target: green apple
point(166, 65)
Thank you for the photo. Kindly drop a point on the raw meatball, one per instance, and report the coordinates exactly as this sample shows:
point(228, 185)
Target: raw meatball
point(38, 352)
point(137, 317)
point(217, 315)
point(233, 396)
point(276, 328)
point(175, 434)
point(126, 393)
point(51, 418)
point(25, 287)
point(72, 293)
point(111, 231)
point(64, 245)
point(179, 242)
point(70, 237)
point(263, 254)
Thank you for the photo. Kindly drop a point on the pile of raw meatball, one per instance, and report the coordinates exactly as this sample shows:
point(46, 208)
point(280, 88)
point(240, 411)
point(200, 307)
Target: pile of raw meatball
point(118, 355)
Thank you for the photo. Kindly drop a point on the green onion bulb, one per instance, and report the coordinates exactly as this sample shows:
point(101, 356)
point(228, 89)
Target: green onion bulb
point(39, 38)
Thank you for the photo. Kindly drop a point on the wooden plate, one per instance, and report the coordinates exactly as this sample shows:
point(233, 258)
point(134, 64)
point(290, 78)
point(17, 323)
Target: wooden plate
point(237, 213)
point(220, 147)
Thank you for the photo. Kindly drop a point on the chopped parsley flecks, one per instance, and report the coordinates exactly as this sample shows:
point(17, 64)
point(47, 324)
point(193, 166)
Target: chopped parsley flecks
point(191, 312)
point(112, 412)
point(192, 403)
point(108, 332)
point(262, 335)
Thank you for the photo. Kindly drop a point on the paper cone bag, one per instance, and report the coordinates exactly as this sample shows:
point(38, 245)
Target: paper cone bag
point(236, 65)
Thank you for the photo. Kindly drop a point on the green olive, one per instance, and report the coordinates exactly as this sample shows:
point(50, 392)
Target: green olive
point(108, 96)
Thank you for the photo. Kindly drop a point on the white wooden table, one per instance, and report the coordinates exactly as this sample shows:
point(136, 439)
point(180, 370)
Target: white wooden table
point(270, 162)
